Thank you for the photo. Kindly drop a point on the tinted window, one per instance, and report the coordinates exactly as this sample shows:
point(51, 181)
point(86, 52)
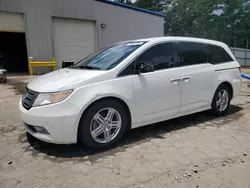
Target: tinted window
point(218, 55)
point(129, 70)
point(188, 53)
point(161, 56)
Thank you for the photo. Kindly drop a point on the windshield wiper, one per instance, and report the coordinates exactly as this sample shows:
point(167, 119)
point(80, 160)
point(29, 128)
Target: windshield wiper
point(88, 67)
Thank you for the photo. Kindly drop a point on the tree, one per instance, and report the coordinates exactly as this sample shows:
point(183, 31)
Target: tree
point(190, 17)
point(154, 5)
point(225, 20)
point(236, 21)
point(129, 2)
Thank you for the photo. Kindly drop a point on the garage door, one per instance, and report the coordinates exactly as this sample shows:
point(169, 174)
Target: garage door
point(73, 39)
point(11, 22)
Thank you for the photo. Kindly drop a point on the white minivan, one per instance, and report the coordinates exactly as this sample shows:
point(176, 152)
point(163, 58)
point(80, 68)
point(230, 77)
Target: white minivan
point(128, 85)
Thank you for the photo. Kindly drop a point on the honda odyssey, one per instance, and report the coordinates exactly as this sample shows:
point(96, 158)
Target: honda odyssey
point(128, 85)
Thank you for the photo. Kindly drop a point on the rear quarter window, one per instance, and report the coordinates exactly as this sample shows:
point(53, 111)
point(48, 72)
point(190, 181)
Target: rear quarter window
point(217, 55)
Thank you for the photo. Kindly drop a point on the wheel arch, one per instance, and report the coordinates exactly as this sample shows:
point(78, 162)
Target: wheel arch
point(229, 85)
point(122, 102)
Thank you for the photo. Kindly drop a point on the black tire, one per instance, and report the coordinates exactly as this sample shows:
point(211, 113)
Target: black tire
point(215, 109)
point(84, 134)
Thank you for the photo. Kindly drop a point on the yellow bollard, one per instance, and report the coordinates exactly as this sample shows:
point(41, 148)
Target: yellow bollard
point(41, 64)
point(30, 66)
point(54, 61)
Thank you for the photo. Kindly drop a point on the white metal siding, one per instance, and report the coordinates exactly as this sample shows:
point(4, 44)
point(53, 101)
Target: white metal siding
point(11, 22)
point(121, 23)
point(125, 24)
point(73, 39)
point(38, 13)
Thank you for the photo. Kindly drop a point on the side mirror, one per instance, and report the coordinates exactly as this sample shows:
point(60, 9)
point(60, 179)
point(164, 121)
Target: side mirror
point(145, 67)
point(68, 63)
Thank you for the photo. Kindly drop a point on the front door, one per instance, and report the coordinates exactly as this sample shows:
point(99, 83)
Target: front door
point(197, 76)
point(157, 94)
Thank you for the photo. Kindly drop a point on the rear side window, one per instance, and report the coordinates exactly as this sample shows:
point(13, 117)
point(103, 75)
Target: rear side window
point(218, 55)
point(188, 53)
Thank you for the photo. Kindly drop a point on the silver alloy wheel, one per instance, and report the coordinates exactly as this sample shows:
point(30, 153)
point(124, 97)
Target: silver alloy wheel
point(222, 100)
point(105, 125)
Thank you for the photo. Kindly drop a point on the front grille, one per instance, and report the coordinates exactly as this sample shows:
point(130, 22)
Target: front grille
point(29, 98)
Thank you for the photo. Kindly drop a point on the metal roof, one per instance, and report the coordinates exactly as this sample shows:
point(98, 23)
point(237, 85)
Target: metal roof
point(132, 7)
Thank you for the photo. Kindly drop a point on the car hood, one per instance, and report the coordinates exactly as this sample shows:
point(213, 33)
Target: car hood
point(56, 80)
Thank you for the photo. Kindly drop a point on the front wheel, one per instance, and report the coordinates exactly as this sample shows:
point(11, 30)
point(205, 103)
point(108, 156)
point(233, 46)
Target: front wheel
point(221, 100)
point(103, 124)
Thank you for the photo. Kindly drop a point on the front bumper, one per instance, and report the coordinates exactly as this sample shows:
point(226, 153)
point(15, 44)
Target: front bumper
point(60, 121)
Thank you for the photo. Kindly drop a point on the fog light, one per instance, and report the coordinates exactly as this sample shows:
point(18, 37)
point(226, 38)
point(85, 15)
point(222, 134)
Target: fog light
point(41, 130)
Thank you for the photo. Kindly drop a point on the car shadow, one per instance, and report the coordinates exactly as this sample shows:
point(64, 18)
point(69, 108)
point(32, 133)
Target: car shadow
point(60, 153)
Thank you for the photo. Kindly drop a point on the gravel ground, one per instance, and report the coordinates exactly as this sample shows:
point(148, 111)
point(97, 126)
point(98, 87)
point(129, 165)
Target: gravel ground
point(193, 151)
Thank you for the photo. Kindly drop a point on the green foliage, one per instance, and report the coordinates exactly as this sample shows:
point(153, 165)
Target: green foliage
point(154, 5)
point(235, 20)
point(225, 20)
point(129, 2)
point(190, 17)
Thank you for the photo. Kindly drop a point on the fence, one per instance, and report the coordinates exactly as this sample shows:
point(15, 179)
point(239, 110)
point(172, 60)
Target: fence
point(242, 55)
point(235, 42)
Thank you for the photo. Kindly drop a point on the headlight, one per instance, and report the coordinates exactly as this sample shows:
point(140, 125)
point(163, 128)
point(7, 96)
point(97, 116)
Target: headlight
point(51, 98)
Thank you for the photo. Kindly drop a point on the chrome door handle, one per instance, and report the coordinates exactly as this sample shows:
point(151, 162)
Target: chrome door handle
point(175, 81)
point(185, 79)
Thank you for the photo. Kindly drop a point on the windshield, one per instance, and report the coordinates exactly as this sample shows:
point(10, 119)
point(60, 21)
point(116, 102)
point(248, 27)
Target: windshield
point(110, 57)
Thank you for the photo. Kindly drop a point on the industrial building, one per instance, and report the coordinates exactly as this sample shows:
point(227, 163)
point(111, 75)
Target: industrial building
point(68, 29)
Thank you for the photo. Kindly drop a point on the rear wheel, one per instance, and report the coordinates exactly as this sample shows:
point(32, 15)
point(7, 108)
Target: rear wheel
point(103, 124)
point(221, 100)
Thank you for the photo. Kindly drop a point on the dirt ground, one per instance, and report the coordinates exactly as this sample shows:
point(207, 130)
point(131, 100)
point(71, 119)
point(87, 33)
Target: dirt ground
point(193, 151)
